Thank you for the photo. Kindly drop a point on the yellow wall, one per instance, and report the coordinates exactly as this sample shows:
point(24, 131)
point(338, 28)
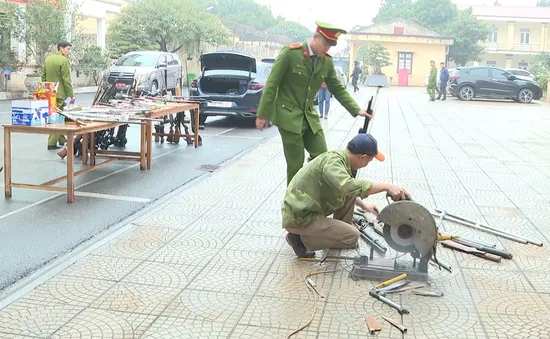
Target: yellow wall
point(501, 58)
point(422, 54)
point(537, 41)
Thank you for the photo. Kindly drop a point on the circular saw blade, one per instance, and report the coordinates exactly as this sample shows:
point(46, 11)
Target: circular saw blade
point(409, 226)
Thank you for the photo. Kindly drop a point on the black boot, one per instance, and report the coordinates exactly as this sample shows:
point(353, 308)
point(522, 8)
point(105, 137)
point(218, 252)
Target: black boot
point(298, 246)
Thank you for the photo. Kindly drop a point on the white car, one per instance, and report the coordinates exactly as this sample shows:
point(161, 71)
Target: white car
point(521, 72)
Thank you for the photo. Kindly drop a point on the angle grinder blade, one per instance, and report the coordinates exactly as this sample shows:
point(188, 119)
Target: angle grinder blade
point(408, 227)
point(396, 240)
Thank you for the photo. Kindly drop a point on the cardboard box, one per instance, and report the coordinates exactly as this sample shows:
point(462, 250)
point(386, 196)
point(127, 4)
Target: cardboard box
point(55, 118)
point(29, 112)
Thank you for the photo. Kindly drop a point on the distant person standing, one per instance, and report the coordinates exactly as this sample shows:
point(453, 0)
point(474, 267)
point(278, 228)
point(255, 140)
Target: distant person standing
point(432, 81)
point(443, 79)
point(323, 96)
point(57, 68)
point(355, 76)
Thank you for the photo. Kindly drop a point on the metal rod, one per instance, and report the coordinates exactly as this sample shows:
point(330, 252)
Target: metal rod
point(500, 253)
point(373, 242)
point(388, 302)
point(533, 242)
point(477, 227)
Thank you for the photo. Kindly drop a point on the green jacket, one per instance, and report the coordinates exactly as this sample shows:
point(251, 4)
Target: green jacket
point(432, 81)
point(291, 87)
point(320, 188)
point(57, 68)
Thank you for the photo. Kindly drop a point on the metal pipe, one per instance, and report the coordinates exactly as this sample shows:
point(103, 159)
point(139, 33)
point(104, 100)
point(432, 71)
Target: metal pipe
point(500, 253)
point(374, 243)
point(533, 242)
point(477, 227)
point(388, 302)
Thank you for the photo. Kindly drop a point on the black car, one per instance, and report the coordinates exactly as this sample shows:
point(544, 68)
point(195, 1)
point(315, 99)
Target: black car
point(232, 82)
point(467, 83)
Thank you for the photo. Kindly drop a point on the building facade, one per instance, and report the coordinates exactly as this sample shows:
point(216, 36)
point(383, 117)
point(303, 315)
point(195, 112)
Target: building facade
point(92, 18)
point(411, 48)
point(518, 35)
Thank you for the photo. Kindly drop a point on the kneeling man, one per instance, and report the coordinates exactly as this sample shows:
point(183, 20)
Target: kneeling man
point(325, 186)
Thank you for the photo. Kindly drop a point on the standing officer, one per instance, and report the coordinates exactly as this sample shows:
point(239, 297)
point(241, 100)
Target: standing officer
point(432, 81)
point(57, 68)
point(287, 99)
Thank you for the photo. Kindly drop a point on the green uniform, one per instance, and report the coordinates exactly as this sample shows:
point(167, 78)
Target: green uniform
point(323, 187)
point(432, 83)
point(57, 68)
point(287, 101)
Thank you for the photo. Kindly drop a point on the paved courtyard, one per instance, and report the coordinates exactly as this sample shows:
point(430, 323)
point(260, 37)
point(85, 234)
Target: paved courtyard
point(212, 262)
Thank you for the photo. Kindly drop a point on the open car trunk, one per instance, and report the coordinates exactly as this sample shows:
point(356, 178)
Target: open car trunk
point(226, 73)
point(225, 85)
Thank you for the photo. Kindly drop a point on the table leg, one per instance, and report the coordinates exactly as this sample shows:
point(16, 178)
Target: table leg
point(196, 123)
point(143, 146)
point(84, 148)
point(70, 168)
point(92, 149)
point(149, 137)
point(7, 163)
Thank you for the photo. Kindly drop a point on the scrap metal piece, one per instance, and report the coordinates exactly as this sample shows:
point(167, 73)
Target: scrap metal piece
point(397, 325)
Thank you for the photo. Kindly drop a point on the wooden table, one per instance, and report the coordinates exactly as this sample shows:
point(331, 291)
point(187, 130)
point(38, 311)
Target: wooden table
point(147, 134)
point(71, 130)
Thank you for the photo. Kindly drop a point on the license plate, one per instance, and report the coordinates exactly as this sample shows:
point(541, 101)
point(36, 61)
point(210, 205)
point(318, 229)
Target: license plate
point(120, 84)
point(224, 104)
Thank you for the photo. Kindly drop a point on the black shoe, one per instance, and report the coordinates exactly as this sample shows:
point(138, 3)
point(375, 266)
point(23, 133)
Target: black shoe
point(53, 147)
point(298, 246)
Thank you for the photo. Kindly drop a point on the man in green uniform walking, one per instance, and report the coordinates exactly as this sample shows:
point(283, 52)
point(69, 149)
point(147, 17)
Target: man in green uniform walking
point(326, 186)
point(287, 99)
point(57, 68)
point(432, 81)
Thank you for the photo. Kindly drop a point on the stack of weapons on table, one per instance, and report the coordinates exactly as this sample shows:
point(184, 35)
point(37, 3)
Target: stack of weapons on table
point(402, 282)
point(111, 107)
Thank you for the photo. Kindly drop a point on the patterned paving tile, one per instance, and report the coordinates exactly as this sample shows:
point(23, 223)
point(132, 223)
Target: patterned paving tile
point(135, 298)
point(33, 320)
point(104, 268)
point(92, 323)
point(162, 274)
point(178, 328)
point(228, 279)
point(210, 306)
point(66, 290)
point(523, 315)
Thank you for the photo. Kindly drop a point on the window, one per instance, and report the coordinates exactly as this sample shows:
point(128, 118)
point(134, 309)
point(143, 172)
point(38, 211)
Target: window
point(479, 72)
point(493, 36)
point(523, 65)
point(499, 74)
point(404, 61)
point(491, 63)
point(137, 60)
point(525, 36)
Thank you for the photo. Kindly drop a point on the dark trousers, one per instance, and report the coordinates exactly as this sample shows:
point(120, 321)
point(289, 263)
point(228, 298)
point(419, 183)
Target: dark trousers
point(442, 90)
point(354, 84)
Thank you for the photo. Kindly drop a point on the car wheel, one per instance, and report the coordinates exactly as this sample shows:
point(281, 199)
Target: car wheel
point(466, 93)
point(525, 95)
point(154, 87)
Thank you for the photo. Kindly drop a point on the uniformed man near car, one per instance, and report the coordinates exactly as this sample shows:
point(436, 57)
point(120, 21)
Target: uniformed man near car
point(432, 81)
point(287, 99)
point(326, 186)
point(57, 68)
